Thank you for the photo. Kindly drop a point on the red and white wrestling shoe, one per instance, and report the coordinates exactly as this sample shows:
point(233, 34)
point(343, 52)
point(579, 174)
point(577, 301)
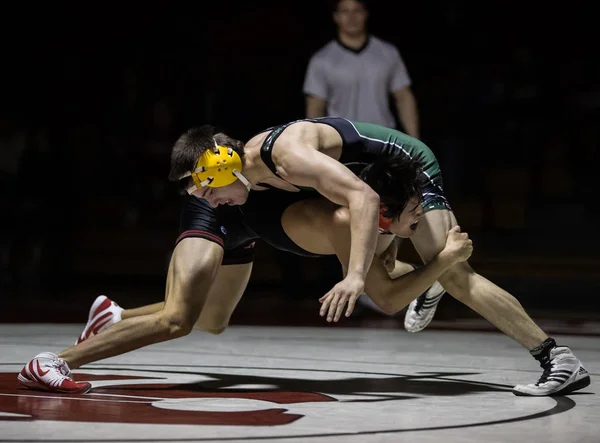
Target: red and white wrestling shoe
point(50, 373)
point(103, 313)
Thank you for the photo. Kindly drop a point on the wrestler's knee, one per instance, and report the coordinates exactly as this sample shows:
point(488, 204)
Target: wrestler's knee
point(457, 280)
point(214, 321)
point(178, 324)
point(215, 331)
point(211, 327)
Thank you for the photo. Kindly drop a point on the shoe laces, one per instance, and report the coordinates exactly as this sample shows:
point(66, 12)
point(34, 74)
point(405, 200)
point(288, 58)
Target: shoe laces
point(548, 367)
point(420, 302)
point(61, 366)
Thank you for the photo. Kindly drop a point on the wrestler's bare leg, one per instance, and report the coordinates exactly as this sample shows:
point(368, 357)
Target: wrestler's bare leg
point(463, 283)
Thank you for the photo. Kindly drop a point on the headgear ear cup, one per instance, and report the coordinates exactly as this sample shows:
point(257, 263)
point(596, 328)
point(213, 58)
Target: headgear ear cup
point(215, 167)
point(218, 167)
point(384, 222)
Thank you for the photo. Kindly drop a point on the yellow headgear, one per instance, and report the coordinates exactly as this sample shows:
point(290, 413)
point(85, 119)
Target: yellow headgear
point(218, 167)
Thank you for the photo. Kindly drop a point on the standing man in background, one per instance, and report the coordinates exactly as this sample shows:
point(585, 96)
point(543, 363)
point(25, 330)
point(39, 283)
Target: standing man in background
point(354, 75)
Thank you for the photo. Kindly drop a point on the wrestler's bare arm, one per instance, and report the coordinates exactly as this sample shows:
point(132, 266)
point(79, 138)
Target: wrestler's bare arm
point(306, 166)
point(393, 294)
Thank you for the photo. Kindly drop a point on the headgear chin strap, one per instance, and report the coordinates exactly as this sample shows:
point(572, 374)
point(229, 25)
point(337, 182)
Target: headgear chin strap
point(217, 167)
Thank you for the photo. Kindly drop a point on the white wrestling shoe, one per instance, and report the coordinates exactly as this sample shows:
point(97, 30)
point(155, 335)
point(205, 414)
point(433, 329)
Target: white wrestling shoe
point(103, 313)
point(563, 373)
point(50, 373)
point(421, 310)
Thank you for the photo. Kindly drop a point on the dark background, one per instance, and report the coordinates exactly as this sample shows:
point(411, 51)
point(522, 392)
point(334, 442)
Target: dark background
point(95, 96)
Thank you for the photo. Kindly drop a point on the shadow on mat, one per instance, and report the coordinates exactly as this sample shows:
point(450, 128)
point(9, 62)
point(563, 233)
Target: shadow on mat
point(392, 387)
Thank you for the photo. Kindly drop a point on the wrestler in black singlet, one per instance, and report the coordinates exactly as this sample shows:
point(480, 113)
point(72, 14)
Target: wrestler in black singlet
point(237, 228)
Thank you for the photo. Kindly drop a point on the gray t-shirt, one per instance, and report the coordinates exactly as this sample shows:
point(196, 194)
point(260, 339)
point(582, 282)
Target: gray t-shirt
point(357, 84)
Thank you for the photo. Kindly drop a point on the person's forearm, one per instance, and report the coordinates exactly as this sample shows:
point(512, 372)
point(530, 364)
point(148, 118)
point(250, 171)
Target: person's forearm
point(409, 114)
point(364, 230)
point(315, 112)
point(401, 291)
point(315, 107)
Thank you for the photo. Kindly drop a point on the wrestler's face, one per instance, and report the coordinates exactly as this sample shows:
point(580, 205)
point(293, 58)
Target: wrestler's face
point(233, 194)
point(351, 17)
point(406, 225)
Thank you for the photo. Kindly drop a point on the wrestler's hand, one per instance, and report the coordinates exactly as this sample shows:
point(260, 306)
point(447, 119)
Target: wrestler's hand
point(459, 246)
point(346, 291)
point(388, 257)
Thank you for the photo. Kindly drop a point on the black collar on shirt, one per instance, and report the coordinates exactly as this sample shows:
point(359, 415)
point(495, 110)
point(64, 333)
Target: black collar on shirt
point(355, 50)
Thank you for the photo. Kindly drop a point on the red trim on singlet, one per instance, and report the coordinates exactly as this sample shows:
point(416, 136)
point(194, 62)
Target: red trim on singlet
point(202, 234)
